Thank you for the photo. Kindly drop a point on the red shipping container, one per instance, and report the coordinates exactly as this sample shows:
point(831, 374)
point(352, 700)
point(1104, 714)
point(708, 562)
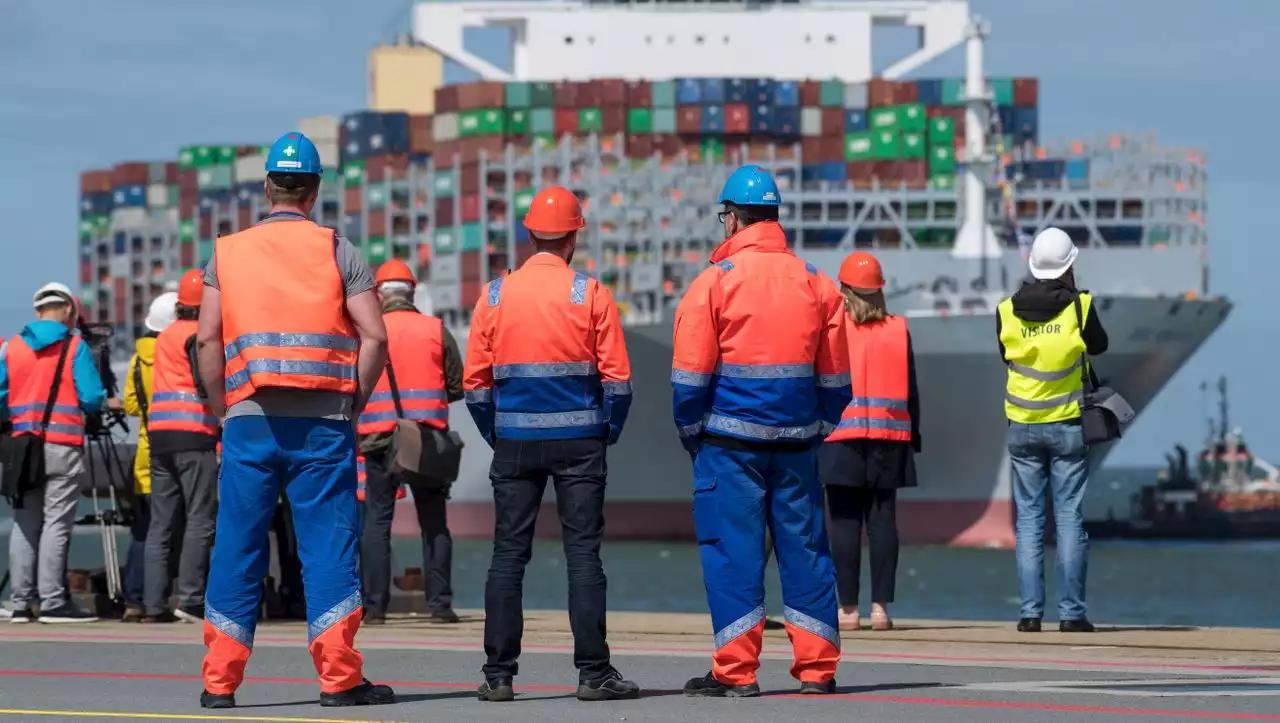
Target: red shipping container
point(354, 199)
point(566, 120)
point(613, 119)
point(915, 174)
point(242, 151)
point(482, 94)
point(811, 149)
point(445, 151)
point(118, 286)
point(565, 95)
point(187, 255)
point(737, 119)
point(689, 120)
point(469, 266)
point(524, 252)
point(121, 308)
point(668, 146)
point(244, 217)
point(130, 174)
point(860, 173)
point(377, 221)
point(881, 92)
point(189, 183)
point(1026, 92)
point(172, 173)
point(470, 208)
point(833, 122)
point(471, 293)
point(491, 147)
point(833, 149)
point(421, 139)
point(811, 93)
point(86, 273)
point(469, 178)
point(639, 94)
point(590, 94)
point(613, 92)
point(95, 182)
point(382, 168)
point(639, 145)
point(187, 207)
point(444, 212)
point(206, 227)
point(446, 99)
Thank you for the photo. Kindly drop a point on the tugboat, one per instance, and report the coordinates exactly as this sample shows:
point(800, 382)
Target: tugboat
point(1235, 495)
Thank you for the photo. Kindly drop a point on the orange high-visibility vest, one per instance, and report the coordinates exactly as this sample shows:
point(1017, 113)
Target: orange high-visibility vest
point(879, 371)
point(30, 379)
point(175, 404)
point(415, 344)
point(284, 319)
point(362, 480)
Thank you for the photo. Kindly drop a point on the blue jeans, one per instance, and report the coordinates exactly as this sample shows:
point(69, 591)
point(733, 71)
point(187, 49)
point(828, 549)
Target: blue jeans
point(1051, 455)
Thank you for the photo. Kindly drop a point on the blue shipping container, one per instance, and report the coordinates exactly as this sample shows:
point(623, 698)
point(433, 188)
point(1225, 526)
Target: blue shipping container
point(1077, 169)
point(786, 92)
point(129, 196)
point(1026, 124)
point(762, 118)
point(930, 92)
point(246, 192)
point(121, 243)
point(1039, 170)
point(713, 91)
point(522, 233)
point(95, 203)
point(786, 120)
point(1007, 119)
point(688, 91)
point(762, 90)
point(712, 119)
point(833, 171)
point(737, 90)
point(855, 120)
point(369, 133)
point(210, 198)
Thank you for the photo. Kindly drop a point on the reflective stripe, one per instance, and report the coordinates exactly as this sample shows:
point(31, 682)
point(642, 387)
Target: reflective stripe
point(229, 627)
point(739, 627)
point(417, 394)
point(495, 291)
point(690, 430)
point(544, 369)
point(161, 397)
point(893, 405)
point(195, 417)
point(765, 371)
point(1050, 403)
point(896, 425)
point(616, 389)
point(690, 379)
point(739, 428)
point(827, 428)
point(578, 294)
point(1042, 376)
point(416, 415)
point(834, 381)
point(550, 420)
point(39, 407)
point(346, 372)
point(478, 396)
point(74, 430)
point(290, 340)
point(811, 624)
point(333, 616)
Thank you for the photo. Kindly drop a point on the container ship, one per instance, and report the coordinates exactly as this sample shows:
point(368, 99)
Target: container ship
point(642, 109)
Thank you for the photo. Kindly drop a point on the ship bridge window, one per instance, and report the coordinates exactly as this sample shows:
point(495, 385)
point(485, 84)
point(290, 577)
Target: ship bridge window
point(568, 40)
point(831, 38)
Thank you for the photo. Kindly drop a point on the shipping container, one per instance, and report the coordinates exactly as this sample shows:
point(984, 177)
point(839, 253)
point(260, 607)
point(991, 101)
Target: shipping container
point(664, 121)
point(689, 91)
point(855, 120)
point(130, 174)
point(320, 128)
point(786, 121)
point(737, 119)
point(831, 94)
point(421, 134)
point(942, 160)
point(929, 92)
point(482, 94)
point(516, 95)
point(953, 91)
point(786, 93)
point(886, 145)
point(613, 93)
point(1001, 90)
point(855, 96)
point(712, 122)
point(858, 147)
point(589, 121)
point(92, 182)
point(371, 133)
point(94, 204)
point(941, 131)
point(810, 93)
point(811, 121)
point(639, 94)
point(1026, 125)
point(762, 119)
point(913, 145)
point(129, 197)
point(1026, 92)
point(471, 236)
point(663, 93)
point(830, 172)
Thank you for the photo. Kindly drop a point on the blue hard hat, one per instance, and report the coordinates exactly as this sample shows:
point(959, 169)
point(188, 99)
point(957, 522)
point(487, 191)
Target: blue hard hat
point(751, 186)
point(294, 153)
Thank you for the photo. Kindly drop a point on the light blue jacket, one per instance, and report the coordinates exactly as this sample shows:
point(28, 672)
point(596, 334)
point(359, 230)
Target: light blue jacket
point(42, 333)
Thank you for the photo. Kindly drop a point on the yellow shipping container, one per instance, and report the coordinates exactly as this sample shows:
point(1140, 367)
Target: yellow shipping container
point(404, 77)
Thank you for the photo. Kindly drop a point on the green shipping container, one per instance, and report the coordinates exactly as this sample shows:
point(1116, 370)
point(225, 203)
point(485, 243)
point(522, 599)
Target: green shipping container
point(953, 91)
point(523, 200)
point(886, 145)
point(542, 95)
point(912, 118)
point(662, 93)
point(544, 140)
point(883, 118)
point(943, 181)
point(712, 149)
point(589, 120)
point(639, 120)
point(187, 230)
point(376, 249)
point(942, 159)
point(214, 177)
point(443, 184)
point(331, 176)
point(518, 122)
point(472, 238)
point(206, 251)
point(375, 197)
point(226, 154)
point(1001, 90)
point(175, 196)
point(934, 237)
point(493, 122)
point(857, 146)
point(469, 124)
point(913, 145)
point(942, 131)
point(445, 240)
point(516, 95)
point(831, 94)
point(542, 120)
point(353, 173)
point(401, 252)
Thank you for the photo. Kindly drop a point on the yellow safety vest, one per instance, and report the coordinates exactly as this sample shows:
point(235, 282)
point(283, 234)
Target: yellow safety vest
point(1046, 382)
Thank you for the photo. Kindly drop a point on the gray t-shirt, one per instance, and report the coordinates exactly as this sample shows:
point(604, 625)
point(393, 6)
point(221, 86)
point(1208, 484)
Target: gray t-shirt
point(357, 278)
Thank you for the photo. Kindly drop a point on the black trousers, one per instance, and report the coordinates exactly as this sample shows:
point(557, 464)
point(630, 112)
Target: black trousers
point(135, 562)
point(375, 542)
point(519, 474)
point(290, 585)
point(852, 509)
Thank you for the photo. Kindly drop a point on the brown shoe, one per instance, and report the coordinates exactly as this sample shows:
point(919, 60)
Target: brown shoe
point(131, 614)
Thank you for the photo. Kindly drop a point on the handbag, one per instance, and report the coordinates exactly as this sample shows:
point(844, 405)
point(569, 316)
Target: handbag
point(1102, 410)
point(420, 454)
point(22, 457)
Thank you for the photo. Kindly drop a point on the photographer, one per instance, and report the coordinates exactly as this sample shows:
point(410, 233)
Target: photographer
point(48, 382)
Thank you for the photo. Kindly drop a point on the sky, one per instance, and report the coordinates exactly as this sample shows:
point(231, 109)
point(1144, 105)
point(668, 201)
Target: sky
point(86, 84)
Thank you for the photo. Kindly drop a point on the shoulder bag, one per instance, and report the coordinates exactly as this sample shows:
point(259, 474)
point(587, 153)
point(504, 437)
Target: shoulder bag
point(22, 457)
point(1102, 411)
point(421, 454)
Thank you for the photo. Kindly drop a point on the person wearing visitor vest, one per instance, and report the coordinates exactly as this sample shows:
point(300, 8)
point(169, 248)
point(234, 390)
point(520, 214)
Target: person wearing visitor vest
point(291, 344)
point(184, 467)
point(426, 369)
point(137, 403)
point(1044, 332)
point(871, 454)
point(48, 382)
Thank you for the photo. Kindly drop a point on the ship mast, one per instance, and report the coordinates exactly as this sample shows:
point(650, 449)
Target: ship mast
point(976, 240)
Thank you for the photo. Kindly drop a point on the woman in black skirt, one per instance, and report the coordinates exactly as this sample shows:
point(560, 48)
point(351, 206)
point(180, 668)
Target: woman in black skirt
point(870, 456)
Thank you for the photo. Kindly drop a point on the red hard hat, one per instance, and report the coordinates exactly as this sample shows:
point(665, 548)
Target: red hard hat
point(860, 270)
point(191, 288)
point(394, 270)
point(555, 211)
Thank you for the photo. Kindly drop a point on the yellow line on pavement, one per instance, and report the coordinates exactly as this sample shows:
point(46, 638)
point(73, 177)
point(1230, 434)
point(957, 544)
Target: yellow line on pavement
point(172, 716)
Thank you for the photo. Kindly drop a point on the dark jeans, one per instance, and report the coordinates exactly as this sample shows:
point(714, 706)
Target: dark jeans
point(519, 474)
point(375, 543)
point(184, 507)
point(289, 586)
point(852, 509)
point(135, 563)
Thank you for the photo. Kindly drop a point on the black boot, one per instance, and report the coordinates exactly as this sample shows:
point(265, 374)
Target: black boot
point(497, 690)
point(811, 688)
point(1029, 625)
point(1076, 626)
point(708, 687)
point(213, 700)
point(612, 686)
point(364, 694)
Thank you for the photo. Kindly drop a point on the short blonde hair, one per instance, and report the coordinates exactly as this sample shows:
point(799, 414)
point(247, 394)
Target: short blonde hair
point(864, 305)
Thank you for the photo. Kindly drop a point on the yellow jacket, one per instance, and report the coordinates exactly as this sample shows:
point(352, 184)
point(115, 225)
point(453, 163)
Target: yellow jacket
point(145, 356)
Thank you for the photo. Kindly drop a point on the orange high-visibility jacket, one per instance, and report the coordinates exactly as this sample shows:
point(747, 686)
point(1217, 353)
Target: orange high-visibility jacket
point(546, 357)
point(415, 345)
point(30, 379)
point(362, 481)
point(175, 404)
point(284, 319)
point(880, 372)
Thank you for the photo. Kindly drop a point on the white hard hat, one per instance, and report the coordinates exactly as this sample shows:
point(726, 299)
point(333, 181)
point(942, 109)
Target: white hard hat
point(1052, 254)
point(53, 293)
point(163, 312)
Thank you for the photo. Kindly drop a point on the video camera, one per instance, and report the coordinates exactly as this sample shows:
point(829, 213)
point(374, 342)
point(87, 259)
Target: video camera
point(98, 336)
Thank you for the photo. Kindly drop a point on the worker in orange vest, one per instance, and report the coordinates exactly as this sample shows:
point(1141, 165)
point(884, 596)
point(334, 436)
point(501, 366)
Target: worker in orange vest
point(870, 455)
point(291, 344)
point(548, 383)
point(184, 466)
point(427, 369)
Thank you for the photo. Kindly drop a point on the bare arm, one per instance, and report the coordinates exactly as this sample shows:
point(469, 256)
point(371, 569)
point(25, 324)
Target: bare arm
point(366, 315)
point(213, 361)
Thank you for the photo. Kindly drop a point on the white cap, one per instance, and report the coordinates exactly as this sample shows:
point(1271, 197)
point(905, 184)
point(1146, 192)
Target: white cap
point(389, 286)
point(53, 293)
point(163, 312)
point(1052, 254)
